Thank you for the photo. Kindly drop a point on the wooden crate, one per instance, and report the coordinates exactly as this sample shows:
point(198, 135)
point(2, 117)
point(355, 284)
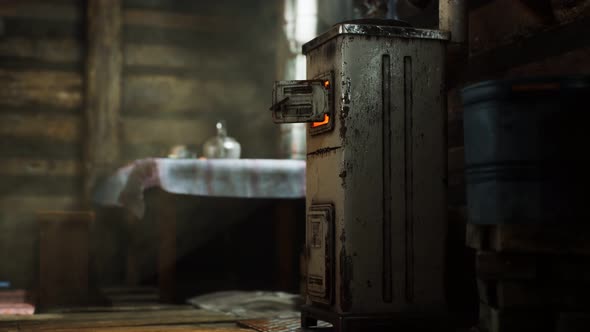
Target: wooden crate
point(505, 320)
point(508, 280)
point(535, 291)
point(561, 238)
point(527, 294)
point(63, 258)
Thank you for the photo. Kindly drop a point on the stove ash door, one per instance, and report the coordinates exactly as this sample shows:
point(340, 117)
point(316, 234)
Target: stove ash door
point(320, 244)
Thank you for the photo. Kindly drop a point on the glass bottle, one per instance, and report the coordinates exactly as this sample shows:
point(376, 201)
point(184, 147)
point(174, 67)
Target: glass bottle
point(221, 146)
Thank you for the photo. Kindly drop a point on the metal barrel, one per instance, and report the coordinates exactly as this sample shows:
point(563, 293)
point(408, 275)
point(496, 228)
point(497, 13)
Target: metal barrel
point(526, 150)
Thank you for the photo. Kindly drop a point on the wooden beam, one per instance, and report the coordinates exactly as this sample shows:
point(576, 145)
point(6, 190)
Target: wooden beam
point(103, 88)
point(550, 42)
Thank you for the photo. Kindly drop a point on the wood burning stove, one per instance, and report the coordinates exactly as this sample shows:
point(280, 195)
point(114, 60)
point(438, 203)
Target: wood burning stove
point(376, 173)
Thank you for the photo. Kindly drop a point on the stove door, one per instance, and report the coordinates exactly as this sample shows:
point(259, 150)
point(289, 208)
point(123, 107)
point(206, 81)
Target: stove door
point(320, 260)
point(301, 101)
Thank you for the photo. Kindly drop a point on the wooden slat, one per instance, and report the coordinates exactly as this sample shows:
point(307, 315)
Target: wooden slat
point(178, 20)
point(103, 89)
point(169, 94)
point(44, 50)
point(130, 152)
point(492, 265)
point(118, 308)
point(144, 57)
point(523, 294)
point(138, 130)
point(39, 185)
point(561, 238)
point(219, 7)
point(175, 57)
point(53, 322)
point(34, 148)
point(61, 9)
point(213, 40)
point(36, 88)
point(42, 28)
point(175, 328)
point(33, 203)
point(40, 167)
point(58, 127)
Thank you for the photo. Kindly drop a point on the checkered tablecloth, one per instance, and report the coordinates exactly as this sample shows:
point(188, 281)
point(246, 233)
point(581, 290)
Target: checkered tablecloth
point(241, 178)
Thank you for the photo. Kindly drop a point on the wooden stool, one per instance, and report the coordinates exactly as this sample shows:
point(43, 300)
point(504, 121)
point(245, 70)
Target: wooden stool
point(63, 258)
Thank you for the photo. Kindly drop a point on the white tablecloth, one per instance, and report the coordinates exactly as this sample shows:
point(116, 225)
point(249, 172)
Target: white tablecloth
point(242, 178)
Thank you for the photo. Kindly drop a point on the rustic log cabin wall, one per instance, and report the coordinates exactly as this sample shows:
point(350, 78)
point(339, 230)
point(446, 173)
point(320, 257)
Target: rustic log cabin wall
point(190, 63)
point(184, 65)
point(41, 121)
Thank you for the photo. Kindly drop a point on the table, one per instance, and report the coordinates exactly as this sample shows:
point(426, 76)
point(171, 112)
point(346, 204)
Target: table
point(222, 178)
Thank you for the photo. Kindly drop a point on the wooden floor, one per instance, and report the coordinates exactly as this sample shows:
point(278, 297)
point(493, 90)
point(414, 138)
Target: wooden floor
point(130, 311)
point(156, 318)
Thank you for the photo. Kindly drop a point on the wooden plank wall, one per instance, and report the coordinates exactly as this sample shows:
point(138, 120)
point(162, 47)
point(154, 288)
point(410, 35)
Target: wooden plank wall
point(189, 63)
point(41, 107)
point(186, 64)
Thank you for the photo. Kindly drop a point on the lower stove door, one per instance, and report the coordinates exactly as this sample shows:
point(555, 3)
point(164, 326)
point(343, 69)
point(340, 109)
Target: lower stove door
point(320, 258)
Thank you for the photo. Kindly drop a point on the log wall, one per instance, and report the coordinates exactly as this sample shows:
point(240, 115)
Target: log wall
point(184, 65)
point(41, 118)
point(190, 63)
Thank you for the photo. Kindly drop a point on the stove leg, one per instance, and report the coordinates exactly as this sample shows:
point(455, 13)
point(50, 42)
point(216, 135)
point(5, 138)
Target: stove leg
point(307, 321)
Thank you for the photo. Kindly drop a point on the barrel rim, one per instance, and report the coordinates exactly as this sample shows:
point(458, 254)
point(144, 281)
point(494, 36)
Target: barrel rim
point(505, 88)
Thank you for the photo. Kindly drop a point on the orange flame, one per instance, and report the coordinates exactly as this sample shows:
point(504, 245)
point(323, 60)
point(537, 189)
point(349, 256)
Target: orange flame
point(326, 120)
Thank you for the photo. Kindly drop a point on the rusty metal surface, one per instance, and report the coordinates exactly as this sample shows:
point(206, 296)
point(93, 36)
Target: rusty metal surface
point(277, 324)
point(383, 167)
point(376, 31)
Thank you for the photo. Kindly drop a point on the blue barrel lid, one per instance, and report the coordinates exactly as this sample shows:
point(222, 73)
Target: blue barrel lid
point(510, 88)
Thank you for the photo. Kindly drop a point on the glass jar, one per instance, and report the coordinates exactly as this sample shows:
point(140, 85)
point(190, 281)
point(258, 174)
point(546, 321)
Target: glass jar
point(221, 146)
